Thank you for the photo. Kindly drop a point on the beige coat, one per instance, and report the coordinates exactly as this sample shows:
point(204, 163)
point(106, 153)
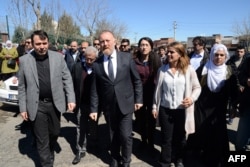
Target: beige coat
point(192, 89)
point(14, 55)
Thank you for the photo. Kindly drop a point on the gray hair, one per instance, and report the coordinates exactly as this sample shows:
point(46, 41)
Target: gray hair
point(218, 47)
point(91, 49)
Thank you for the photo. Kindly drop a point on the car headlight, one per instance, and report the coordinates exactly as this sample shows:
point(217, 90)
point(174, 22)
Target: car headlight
point(2, 85)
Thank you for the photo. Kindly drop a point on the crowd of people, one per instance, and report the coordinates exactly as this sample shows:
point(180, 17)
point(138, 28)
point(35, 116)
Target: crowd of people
point(189, 94)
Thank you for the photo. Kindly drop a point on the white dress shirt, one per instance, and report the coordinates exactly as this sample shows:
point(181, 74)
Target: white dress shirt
point(195, 60)
point(173, 89)
point(114, 62)
point(74, 55)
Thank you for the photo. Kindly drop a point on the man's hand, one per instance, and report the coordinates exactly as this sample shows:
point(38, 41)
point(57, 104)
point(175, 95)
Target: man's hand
point(71, 107)
point(154, 113)
point(24, 116)
point(248, 82)
point(138, 106)
point(93, 116)
point(241, 88)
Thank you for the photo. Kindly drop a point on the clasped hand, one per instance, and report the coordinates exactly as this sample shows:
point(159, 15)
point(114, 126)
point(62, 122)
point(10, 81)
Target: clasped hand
point(186, 102)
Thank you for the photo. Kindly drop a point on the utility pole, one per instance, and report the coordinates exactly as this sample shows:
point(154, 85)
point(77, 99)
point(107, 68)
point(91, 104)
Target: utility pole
point(8, 27)
point(135, 37)
point(174, 27)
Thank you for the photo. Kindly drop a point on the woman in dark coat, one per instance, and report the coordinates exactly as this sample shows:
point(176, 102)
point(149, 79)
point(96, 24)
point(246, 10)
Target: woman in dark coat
point(147, 63)
point(210, 108)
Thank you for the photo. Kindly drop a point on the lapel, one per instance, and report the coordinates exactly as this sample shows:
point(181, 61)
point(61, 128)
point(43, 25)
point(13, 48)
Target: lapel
point(102, 68)
point(51, 66)
point(32, 62)
point(119, 62)
point(77, 56)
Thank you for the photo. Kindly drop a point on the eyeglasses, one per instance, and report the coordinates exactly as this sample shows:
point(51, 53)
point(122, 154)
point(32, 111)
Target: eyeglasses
point(96, 44)
point(217, 55)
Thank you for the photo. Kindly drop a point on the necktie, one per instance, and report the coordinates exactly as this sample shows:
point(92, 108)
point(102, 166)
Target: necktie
point(110, 69)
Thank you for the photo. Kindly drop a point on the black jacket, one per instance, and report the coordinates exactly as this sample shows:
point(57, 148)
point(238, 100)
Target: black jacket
point(205, 57)
point(82, 82)
point(236, 77)
point(243, 78)
point(70, 60)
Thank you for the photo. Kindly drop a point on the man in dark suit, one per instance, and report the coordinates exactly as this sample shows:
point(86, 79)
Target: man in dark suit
point(72, 55)
point(81, 75)
point(117, 85)
point(45, 85)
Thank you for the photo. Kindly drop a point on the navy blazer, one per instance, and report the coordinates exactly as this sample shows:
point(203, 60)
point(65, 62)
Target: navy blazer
point(125, 90)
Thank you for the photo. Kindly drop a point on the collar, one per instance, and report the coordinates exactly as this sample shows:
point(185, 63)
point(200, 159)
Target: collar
point(40, 58)
point(199, 55)
point(113, 55)
point(88, 69)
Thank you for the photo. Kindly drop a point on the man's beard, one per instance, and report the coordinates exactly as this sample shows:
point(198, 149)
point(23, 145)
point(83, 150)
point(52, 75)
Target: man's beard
point(107, 51)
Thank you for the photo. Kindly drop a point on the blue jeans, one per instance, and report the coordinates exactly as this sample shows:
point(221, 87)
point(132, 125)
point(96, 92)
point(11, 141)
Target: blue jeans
point(243, 132)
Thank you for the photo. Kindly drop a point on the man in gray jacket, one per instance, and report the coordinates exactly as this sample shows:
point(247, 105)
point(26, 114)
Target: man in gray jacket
point(45, 86)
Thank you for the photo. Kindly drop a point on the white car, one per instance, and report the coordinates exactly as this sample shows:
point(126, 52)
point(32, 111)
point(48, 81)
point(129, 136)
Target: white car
point(9, 91)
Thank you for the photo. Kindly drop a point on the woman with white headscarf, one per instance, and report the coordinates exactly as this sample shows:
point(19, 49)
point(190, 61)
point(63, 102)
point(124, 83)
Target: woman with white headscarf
point(9, 52)
point(210, 137)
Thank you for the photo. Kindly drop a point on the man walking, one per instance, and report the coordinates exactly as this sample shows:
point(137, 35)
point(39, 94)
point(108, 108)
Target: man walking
point(72, 55)
point(81, 75)
point(117, 85)
point(45, 85)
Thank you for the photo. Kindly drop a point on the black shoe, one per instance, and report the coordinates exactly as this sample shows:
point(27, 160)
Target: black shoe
point(52, 157)
point(113, 163)
point(126, 165)
point(23, 125)
point(78, 157)
point(179, 164)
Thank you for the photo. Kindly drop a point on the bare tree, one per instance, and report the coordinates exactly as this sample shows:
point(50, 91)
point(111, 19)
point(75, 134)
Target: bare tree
point(116, 27)
point(47, 23)
point(20, 14)
point(68, 29)
point(89, 13)
point(36, 6)
point(55, 10)
point(242, 29)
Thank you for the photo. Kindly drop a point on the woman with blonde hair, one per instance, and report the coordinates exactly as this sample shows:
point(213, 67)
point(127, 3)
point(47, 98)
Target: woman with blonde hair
point(176, 91)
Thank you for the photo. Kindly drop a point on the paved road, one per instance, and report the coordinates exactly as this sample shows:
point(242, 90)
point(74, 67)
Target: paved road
point(16, 147)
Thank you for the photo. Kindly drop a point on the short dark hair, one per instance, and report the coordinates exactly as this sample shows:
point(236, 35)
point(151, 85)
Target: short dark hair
point(125, 40)
point(201, 40)
point(240, 47)
point(28, 37)
point(162, 47)
point(42, 35)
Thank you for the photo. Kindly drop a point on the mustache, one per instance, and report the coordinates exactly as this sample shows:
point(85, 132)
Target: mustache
point(105, 48)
